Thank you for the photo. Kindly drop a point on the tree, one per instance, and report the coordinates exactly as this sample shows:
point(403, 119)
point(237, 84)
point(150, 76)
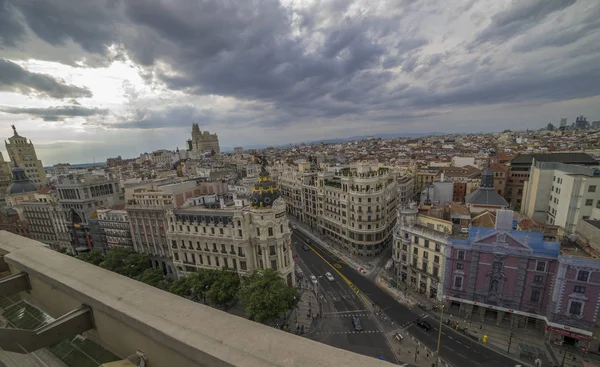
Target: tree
point(92, 257)
point(126, 262)
point(266, 295)
point(153, 277)
point(224, 288)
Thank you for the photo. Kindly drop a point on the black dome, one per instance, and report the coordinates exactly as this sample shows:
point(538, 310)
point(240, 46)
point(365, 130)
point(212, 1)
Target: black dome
point(20, 183)
point(265, 191)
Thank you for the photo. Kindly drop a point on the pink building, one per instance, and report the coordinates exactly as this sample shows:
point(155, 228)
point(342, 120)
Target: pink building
point(516, 277)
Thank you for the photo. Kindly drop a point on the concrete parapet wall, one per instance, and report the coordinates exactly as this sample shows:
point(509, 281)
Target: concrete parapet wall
point(170, 330)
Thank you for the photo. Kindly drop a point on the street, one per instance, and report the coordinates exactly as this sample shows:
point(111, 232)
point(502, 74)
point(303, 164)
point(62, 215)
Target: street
point(339, 303)
point(456, 349)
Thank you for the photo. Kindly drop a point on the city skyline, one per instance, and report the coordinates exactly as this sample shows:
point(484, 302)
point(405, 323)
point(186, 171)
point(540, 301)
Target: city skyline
point(137, 75)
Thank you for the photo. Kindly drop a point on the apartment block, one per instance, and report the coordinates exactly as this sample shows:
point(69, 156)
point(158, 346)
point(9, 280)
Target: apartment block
point(562, 194)
point(46, 219)
point(520, 167)
point(147, 214)
point(353, 207)
point(115, 226)
point(420, 241)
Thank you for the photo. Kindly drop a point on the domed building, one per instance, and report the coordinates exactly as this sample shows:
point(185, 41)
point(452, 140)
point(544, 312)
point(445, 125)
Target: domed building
point(265, 191)
point(21, 188)
point(243, 238)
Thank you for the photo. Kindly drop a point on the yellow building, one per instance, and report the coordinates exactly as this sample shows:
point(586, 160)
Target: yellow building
point(22, 153)
point(419, 251)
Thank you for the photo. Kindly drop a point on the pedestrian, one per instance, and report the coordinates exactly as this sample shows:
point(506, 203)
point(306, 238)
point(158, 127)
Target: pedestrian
point(392, 323)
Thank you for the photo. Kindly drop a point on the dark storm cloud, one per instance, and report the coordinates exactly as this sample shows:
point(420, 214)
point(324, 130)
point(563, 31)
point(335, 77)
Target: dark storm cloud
point(320, 62)
point(14, 78)
point(55, 113)
point(587, 26)
point(11, 30)
point(520, 17)
point(177, 116)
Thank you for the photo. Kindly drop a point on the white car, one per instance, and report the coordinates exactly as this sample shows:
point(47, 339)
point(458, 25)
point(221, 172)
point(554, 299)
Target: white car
point(329, 276)
point(313, 279)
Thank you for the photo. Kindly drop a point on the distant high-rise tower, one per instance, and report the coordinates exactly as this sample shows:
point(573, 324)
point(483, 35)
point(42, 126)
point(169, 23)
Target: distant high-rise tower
point(563, 122)
point(202, 142)
point(22, 153)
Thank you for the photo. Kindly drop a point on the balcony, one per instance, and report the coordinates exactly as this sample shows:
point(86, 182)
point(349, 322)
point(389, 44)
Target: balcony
point(129, 316)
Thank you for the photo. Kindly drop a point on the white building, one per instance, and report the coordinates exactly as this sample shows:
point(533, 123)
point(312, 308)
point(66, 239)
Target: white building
point(241, 239)
point(463, 161)
point(562, 194)
point(115, 225)
point(353, 207)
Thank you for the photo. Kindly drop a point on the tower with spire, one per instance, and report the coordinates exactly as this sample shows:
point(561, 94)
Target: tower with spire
point(22, 153)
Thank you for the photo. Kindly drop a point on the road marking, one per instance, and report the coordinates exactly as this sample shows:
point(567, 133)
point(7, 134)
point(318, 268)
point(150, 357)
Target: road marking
point(339, 266)
point(450, 337)
point(344, 312)
point(450, 349)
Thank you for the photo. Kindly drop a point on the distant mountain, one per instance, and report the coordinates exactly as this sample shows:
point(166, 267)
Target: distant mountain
point(340, 140)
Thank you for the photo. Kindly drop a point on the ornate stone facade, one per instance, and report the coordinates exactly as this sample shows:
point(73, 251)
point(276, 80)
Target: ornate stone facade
point(240, 239)
point(202, 142)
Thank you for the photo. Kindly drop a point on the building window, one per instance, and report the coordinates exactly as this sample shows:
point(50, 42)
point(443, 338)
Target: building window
point(243, 265)
point(416, 251)
point(436, 259)
point(538, 279)
point(540, 266)
point(575, 308)
point(592, 188)
point(416, 240)
point(258, 231)
point(216, 261)
point(579, 289)
point(589, 202)
point(460, 266)
point(176, 256)
point(220, 230)
point(240, 232)
point(458, 282)
point(281, 228)
point(461, 255)
point(583, 275)
point(438, 247)
point(535, 295)
point(427, 243)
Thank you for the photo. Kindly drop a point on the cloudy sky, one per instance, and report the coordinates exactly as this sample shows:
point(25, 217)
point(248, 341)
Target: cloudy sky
point(89, 79)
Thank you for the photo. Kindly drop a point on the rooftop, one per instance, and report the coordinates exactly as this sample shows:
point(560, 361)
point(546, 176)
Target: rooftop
point(555, 157)
point(172, 331)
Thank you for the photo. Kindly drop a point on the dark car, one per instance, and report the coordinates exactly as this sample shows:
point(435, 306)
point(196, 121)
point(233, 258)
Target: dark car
point(423, 324)
point(305, 248)
point(356, 323)
point(308, 241)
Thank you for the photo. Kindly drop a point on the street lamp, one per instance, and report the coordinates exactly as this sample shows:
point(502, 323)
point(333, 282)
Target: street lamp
point(437, 352)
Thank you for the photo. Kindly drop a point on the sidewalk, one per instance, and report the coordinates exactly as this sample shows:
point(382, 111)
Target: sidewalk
point(299, 316)
point(408, 348)
point(352, 260)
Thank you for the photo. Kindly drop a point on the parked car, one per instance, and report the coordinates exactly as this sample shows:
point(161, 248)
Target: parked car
point(305, 248)
point(423, 324)
point(313, 279)
point(356, 323)
point(329, 276)
point(308, 241)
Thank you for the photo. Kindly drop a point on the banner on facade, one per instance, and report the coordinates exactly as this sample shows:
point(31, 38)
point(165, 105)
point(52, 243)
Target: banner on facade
point(568, 333)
